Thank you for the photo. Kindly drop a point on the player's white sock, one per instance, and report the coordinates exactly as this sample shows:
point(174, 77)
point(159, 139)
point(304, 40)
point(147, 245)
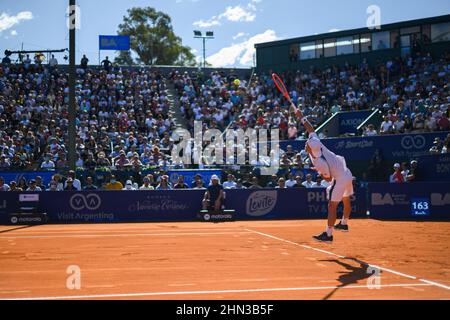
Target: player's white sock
point(329, 231)
point(344, 221)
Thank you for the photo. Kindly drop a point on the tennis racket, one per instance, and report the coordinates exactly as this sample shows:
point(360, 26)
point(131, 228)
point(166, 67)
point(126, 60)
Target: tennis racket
point(280, 85)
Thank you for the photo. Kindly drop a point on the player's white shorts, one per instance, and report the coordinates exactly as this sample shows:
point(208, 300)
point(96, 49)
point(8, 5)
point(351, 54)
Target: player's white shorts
point(339, 189)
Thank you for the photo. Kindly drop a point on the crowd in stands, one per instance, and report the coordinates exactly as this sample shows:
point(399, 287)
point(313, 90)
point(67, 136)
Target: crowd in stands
point(124, 124)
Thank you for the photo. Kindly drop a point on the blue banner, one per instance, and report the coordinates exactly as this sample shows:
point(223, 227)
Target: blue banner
point(410, 201)
point(175, 205)
point(350, 121)
point(189, 176)
point(400, 147)
point(114, 42)
point(16, 176)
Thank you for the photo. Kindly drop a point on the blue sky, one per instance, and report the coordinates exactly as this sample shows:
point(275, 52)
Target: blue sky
point(237, 24)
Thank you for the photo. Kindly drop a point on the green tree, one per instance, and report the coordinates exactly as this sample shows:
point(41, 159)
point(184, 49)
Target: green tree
point(152, 39)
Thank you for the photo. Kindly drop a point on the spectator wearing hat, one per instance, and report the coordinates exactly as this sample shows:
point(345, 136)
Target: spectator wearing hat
point(437, 146)
point(214, 195)
point(13, 187)
point(397, 176)
point(164, 183)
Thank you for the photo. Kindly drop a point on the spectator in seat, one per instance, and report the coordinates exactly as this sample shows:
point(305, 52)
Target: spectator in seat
point(273, 183)
point(229, 184)
point(386, 126)
point(240, 185)
point(181, 184)
point(129, 186)
point(214, 195)
point(308, 183)
point(76, 182)
point(113, 184)
point(281, 183)
point(437, 146)
point(147, 185)
point(291, 181)
point(32, 186)
point(89, 184)
point(164, 183)
point(70, 185)
point(3, 185)
point(415, 174)
point(397, 176)
point(13, 187)
point(255, 183)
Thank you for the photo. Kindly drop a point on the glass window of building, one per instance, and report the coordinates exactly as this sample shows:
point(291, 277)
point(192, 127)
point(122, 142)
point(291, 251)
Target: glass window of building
point(426, 33)
point(381, 40)
point(319, 49)
point(307, 50)
point(395, 39)
point(344, 45)
point(440, 32)
point(293, 52)
point(356, 44)
point(410, 30)
point(329, 47)
point(366, 42)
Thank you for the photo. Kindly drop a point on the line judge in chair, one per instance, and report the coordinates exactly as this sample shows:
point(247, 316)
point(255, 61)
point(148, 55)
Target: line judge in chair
point(214, 195)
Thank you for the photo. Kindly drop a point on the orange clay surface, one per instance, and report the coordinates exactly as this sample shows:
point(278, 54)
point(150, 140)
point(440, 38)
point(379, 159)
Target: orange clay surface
point(236, 260)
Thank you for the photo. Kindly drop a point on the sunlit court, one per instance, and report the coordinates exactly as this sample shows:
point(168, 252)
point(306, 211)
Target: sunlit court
point(238, 260)
point(225, 158)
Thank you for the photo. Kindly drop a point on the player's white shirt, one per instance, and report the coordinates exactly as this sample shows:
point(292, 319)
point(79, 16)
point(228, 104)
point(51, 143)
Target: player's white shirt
point(330, 164)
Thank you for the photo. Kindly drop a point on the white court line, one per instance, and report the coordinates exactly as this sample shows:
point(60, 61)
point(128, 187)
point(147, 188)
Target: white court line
point(127, 235)
point(343, 257)
point(149, 294)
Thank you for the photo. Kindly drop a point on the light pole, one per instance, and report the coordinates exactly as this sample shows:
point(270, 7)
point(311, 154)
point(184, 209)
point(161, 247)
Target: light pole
point(209, 35)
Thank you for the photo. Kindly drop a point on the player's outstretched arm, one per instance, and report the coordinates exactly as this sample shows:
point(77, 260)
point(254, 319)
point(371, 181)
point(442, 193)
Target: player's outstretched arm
point(308, 126)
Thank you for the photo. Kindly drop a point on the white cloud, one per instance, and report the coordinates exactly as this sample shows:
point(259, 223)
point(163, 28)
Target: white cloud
point(7, 21)
point(237, 13)
point(241, 53)
point(239, 35)
point(214, 21)
point(13, 33)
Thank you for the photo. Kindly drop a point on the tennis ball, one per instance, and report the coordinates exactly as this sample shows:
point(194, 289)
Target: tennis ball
point(237, 82)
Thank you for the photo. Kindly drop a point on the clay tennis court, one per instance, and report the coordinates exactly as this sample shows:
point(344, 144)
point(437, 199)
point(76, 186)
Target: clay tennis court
point(237, 260)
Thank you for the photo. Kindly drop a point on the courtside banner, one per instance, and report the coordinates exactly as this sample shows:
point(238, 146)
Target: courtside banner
point(410, 201)
point(392, 147)
point(350, 121)
point(175, 205)
point(435, 167)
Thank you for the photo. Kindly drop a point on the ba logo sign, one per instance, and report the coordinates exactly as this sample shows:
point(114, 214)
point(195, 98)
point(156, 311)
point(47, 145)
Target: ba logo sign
point(379, 199)
point(438, 199)
point(90, 202)
point(261, 203)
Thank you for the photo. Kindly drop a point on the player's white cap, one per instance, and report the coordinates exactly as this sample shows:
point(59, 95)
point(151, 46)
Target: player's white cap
point(397, 165)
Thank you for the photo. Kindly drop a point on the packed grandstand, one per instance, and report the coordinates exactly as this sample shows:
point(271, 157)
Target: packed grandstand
point(125, 118)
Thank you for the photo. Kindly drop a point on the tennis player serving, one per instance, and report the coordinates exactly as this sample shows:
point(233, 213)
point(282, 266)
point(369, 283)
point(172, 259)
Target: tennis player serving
point(333, 169)
point(330, 166)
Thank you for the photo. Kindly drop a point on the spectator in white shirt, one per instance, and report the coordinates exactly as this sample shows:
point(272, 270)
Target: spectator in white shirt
point(308, 183)
point(48, 164)
point(370, 131)
point(386, 126)
point(291, 182)
point(229, 184)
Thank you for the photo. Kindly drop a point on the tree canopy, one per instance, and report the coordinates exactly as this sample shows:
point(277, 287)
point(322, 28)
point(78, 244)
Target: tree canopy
point(152, 39)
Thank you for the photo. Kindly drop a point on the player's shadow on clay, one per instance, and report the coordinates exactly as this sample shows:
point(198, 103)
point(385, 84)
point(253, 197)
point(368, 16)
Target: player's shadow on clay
point(353, 275)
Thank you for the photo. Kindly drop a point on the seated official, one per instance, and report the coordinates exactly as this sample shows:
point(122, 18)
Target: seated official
point(214, 195)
